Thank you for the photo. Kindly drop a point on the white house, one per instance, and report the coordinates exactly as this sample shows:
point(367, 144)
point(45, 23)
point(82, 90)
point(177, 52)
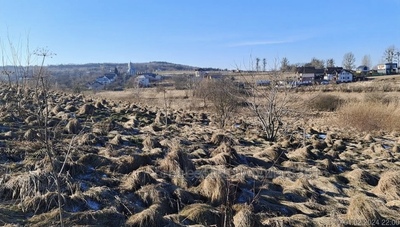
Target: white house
point(200, 73)
point(344, 77)
point(142, 81)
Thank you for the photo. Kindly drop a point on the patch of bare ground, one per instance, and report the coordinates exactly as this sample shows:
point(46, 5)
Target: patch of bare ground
point(132, 164)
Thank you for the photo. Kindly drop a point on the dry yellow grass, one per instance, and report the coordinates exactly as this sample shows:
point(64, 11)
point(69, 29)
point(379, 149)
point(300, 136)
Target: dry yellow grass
point(369, 116)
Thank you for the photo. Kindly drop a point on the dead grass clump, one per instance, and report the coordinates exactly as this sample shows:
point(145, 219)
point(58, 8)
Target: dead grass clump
point(150, 142)
point(215, 187)
point(219, 138)
point(324, 102)
point(302, 154)
point(73, 126)
point(87, 109)
point(31, 135)
point(117, 140)
point(93, 160)
point(273, 154)
point(369, 116)
point(128, 163)
point(56, 109)
point(136, 180)
point(177, 160)
point(362, 209)
point(225, 155)
point(202, 214)
point(297, 191)
point(359, 177)
point(40, 203)
point(149, 217)
point(152, 194)
point(389, 185)
point(327, 165)
point(245, 217)
point(28, 184)
point(105, 217)
point(87, 139)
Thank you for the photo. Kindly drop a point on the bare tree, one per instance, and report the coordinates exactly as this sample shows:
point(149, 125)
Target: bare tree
point(284, 64)
point(264, 64)
point(366, 60)
point(317, 63)
point(258, 64)
point(389, 54)
point(348, 61)
point(330, 62)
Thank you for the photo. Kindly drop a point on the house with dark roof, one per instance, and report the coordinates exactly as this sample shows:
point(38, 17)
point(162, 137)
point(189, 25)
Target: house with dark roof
point(306, 74)
point(331, 73)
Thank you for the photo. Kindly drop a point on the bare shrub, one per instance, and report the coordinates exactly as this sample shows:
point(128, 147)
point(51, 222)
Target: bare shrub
point(270, 104)
point(369, 116)
point(224, 97)
point(324, 102)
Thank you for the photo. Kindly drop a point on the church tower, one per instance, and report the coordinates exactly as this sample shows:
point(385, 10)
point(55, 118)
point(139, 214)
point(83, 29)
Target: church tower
point(131, 70)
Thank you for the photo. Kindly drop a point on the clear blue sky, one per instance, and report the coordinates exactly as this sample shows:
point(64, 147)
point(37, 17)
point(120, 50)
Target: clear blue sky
point(206, 33)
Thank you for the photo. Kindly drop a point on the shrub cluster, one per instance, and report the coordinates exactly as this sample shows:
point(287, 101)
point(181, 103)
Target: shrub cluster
point(324, 102)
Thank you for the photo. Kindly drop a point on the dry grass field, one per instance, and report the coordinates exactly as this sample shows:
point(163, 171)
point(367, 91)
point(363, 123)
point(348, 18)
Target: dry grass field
point(142, 157)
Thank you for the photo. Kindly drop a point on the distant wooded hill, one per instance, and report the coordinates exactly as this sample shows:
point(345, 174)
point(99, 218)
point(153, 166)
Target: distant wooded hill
point(153, 66)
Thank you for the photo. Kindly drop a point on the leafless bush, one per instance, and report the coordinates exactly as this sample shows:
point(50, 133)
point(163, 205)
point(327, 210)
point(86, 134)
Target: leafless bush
point(270, 104)
point(224, 97)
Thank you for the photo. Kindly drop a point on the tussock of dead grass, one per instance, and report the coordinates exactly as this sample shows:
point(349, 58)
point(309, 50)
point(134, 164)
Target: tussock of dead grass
point(389, 185)
point(360, 177)
point(225, 155)
point(219, 138)
point(150, 142)
point(136, 180)
point(105, 217)
point(86, 109)
point(215, 187)
point(128, 163)
point(25, 185)
point(273, 154)
point(362, 209)
point(245, 217)
point(369, 116)
point(73, 126)
point(177, 160)
point(204, 214)
point(151, 216)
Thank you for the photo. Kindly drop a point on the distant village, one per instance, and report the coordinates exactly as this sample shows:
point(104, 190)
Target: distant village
point(302, 76)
